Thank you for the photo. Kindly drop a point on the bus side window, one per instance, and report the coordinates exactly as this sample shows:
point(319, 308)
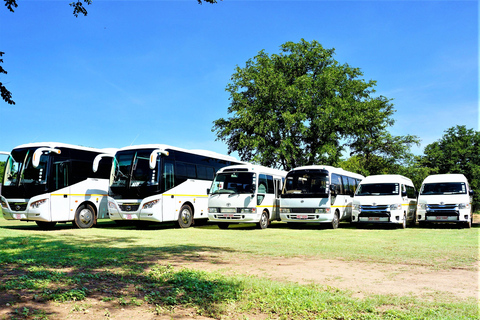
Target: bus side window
point(168, 176)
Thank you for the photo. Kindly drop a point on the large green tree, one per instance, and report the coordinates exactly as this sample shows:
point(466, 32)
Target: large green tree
point(458, 151)
point(78, 8)
point(302, 107)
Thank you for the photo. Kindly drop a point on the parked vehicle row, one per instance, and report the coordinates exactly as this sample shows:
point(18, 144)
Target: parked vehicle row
point(53, 183)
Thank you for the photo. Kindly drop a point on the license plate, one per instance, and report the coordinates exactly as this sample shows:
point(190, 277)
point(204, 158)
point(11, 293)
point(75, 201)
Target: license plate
point(18, 216)
point(374, 219)
point(302, 217)
point(129, 217)
point(442, 218)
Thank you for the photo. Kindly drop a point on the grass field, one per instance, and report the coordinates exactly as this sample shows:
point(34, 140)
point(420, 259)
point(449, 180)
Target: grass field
point(124, 272)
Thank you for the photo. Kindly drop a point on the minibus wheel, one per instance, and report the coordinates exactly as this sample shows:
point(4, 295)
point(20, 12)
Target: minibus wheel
point(263, 223)
point(335, 220)
point(84, 216)
point(185, 219)
point(223, 225)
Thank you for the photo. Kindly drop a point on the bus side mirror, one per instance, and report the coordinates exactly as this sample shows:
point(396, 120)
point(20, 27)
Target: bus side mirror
point(208, 191)
point(38, 153)
point(332, 189)
point(153, 157)
point(97, 159)
point(472, 193)
point(404, 193)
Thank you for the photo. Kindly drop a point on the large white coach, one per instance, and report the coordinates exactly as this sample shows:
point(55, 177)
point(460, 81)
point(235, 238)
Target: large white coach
point(54, 182)
point(159, 183)
point(245, 194)
point(318, 194)
point(445, 198)
point(387, 198)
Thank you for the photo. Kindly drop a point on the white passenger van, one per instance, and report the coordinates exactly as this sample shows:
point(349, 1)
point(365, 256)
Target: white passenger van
point(245, 194)
point(445, 198)
point(318, 194)
point(385, 199)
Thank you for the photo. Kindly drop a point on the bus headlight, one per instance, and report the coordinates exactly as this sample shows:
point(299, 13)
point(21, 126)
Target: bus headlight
point(112, 205)
point(149, 204)
point(422, 206)
point(212, 210)
point(463, 205)
point(248, 210)
point(285, 210)
point(396, 206)
point(4, 204)
point(357, 207)
point(322, 210)
point(37, 203)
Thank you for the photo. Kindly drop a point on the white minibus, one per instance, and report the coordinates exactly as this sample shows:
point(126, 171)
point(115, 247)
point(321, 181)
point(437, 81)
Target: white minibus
point(445, 198)
point(160, 183)
point(245, 194)
point(54, 182)
point(387, 198)
point(318, 194)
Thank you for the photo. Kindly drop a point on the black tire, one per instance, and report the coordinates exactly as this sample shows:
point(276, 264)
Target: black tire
point(263, 223)
point(335, 220)
point(223, 225)
point(85, 217)
point(185, 217)
point(45, 225)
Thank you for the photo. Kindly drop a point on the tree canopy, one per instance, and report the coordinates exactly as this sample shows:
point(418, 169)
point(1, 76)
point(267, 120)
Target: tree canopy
point(302, 107)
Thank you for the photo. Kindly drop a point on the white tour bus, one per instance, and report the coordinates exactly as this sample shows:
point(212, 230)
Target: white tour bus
point(387, 198)
point(55, 182)
point(318, 194)
point(445, 198)
point(245, 194)
point(160, 183)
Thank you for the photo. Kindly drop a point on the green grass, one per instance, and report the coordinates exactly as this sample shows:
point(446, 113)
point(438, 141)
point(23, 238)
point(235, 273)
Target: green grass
point(67, 264)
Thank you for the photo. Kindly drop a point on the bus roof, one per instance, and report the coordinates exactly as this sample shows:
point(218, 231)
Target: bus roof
point(387, 178)
point(165, 147)
point(449, 177)
point(65, 145)
point(254, 168)
point(330, 169)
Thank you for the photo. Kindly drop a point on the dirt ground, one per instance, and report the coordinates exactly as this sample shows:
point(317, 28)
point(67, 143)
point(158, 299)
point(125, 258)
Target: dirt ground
point(360, 278)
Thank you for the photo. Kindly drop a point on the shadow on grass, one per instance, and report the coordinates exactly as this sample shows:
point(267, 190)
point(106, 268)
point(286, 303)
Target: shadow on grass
point(42, 268)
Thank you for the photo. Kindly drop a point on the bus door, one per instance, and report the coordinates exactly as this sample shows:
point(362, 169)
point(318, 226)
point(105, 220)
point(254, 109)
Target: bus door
point(276, 206)
point(60, 198)
point(169, 212)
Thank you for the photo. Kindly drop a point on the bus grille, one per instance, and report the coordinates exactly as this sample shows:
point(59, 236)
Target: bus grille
point(442, 210)
point(15, 206)
point(374, 211)
point(129, 207)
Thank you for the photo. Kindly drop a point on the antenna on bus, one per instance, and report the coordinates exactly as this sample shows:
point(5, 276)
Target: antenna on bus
point(134, 139)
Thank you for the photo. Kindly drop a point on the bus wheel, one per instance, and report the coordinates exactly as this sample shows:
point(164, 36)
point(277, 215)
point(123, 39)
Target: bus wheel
point(223, 225)
point(85, 216)
point(45, 225)
point(185, 219)
point(336, 220)
point(263, 223)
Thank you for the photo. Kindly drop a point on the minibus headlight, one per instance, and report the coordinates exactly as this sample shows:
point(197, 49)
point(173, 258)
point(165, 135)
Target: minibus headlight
point(322, 210)
point(396, 206)
point(150, 204)
point(422, 206)
point(248, 210)
point(285, 210)
point(212, 210)
point(357, 207)
point(112, 205)
point(463, 205)
point(38, 203)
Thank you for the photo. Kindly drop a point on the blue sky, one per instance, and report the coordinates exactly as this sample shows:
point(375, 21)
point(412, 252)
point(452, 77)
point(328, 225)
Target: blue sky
point(136, 72)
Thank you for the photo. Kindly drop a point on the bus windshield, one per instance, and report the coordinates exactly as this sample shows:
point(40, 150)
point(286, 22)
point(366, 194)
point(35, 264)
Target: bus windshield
point(131, 168)
point(233, 182)
point(444, 188)
point(19, 169)
point(304, 182)
point(378, 189)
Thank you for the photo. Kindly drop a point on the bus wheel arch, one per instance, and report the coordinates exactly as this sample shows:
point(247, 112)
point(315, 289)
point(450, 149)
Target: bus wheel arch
point(264, 220)
point(85, 215)
point(185, 216)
